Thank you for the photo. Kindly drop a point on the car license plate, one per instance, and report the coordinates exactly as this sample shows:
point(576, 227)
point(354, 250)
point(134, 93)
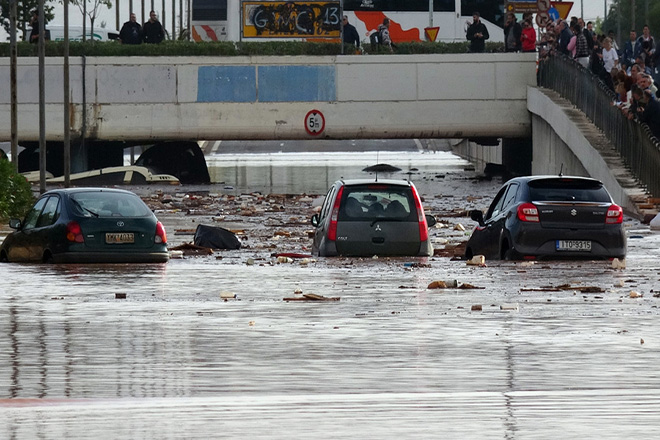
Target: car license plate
point(574, 245)
point(119, 237)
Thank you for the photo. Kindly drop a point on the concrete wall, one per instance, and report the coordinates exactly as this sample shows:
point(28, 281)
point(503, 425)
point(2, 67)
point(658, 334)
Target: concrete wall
point(384, 96)
point(479, 155)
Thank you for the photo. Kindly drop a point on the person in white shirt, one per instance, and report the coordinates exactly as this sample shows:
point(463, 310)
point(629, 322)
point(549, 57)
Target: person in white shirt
point(610, 57)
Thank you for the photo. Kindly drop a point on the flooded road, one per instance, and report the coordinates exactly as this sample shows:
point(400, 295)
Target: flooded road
point(535, 350)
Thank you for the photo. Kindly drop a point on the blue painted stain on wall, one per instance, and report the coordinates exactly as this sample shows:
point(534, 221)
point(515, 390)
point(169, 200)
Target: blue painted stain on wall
point(296, 83)
point(272, 84)
point(226, 84)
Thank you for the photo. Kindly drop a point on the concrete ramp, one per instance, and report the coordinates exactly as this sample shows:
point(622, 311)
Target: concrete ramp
point(563, 135)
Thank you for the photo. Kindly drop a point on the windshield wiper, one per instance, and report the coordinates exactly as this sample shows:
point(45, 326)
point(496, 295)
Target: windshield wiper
point(82, 208)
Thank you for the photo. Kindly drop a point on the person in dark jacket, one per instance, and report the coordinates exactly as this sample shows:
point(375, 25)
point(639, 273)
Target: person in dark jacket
point(34, 22)
point(152, 31)
point(647, 109)
point(477, 34)
point(512, 34)
point(131, 31)
point(351, 35)
point(565, 36)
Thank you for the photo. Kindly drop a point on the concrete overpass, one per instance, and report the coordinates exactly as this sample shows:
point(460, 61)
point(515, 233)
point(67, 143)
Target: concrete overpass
point(384, 96)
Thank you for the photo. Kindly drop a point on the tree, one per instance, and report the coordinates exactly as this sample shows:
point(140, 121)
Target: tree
point(93, 10)
point(15, 192)
point(23, 18)
point(622, 9)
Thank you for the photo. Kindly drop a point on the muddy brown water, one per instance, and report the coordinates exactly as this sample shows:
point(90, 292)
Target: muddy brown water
point(389, 359)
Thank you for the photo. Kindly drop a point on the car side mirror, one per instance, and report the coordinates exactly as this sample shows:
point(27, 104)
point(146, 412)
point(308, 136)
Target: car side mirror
point(430, 220)
point(478, 216)
point(315, 220)
point(15, 223)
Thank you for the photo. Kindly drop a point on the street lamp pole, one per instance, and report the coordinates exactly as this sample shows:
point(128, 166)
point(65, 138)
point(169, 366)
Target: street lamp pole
point(42, 99)
point(13, 86)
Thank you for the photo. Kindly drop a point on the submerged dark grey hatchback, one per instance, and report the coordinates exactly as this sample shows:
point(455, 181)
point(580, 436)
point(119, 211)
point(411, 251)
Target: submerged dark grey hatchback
point(551, 217)
point(367, 217)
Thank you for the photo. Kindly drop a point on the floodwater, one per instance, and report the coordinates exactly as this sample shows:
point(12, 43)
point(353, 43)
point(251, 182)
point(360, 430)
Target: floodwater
point(389, 359)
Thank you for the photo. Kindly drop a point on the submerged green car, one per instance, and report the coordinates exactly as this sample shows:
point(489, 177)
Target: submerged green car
point(87, 225)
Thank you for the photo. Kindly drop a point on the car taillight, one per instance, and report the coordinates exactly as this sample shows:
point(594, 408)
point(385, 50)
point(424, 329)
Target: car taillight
point(334, 215)
point(614, 215)
point(161, 236)
point(527, 212)
point(421, 218)
point(74, 232)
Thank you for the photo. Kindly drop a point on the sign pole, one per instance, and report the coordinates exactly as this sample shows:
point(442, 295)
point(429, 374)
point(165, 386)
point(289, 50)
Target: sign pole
point(430, 13)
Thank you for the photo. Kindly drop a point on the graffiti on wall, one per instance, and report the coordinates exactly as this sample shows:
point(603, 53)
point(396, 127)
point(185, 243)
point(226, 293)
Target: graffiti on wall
point(275, 19)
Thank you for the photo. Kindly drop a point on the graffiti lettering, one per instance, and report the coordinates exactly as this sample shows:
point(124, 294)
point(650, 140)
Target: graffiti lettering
point(291, 19)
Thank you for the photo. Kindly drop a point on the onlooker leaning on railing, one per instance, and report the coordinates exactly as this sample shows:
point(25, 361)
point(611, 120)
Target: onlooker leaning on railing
point(631, 138)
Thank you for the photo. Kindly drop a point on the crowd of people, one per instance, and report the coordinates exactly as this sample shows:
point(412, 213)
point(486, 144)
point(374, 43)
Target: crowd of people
point(628, 72)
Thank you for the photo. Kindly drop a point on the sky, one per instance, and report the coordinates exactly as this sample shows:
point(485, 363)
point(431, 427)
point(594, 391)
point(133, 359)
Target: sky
point(592, 10)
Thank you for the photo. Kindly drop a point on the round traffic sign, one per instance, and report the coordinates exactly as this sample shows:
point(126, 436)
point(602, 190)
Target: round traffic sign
point(314, 122)
point(543, 5)
point(543, 19)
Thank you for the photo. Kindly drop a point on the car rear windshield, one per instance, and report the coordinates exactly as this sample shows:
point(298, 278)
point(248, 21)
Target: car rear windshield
point(568, 190)
point(108, 204)
point(368, 202)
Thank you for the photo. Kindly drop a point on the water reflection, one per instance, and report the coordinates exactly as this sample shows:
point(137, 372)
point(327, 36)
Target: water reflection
point(313, 173)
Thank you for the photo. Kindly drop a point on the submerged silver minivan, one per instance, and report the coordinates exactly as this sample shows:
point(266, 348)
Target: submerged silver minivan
point(372, 217)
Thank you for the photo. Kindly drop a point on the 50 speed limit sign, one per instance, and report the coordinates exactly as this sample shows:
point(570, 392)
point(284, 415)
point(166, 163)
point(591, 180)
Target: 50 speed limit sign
point(314, 122)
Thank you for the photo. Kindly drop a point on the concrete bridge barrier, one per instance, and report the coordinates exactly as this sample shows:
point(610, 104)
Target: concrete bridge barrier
point(384, 96)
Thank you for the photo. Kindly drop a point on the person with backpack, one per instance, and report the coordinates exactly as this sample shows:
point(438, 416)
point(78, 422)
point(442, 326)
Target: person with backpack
point(384, 31)
point(477, 34)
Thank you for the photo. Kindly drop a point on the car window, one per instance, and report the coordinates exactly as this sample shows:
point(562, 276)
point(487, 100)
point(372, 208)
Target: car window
point(496, 205)
point(368, 202)
point(568, 190)
point(327, 202)
point(108, 204)
point(33, 215)
point(50, 212)
point(510, 196)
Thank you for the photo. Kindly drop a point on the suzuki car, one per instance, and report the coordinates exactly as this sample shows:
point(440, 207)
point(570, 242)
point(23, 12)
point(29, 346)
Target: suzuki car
point(87, 225)
point(549, 217)
point(367, 217)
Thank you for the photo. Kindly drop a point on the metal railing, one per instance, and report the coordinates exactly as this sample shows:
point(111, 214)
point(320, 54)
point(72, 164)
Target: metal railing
point(633, 141)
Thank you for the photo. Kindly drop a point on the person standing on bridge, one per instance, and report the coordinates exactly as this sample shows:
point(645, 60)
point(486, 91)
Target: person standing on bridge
point(512, 34)
point(477, 34)
point(152, 31)
point(528, 36)
point(631, 49)
point(384, 30)
point(351, 35)
point(131, 31)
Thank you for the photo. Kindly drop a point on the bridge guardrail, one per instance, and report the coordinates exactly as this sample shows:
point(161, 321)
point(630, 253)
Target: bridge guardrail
point(633, 141)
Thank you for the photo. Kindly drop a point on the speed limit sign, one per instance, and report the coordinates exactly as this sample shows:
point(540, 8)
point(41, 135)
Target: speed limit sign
point(314, 122)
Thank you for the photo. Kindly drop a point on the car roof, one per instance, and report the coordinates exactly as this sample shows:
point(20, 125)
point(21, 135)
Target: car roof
point(527, 179)
point(351, 182)
point(68, 191)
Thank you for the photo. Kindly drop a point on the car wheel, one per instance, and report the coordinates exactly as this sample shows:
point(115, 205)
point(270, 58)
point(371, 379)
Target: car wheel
point(47, 258)
point(506, 253)
point(3, 257)
point(469, 254)
point(512, 255)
